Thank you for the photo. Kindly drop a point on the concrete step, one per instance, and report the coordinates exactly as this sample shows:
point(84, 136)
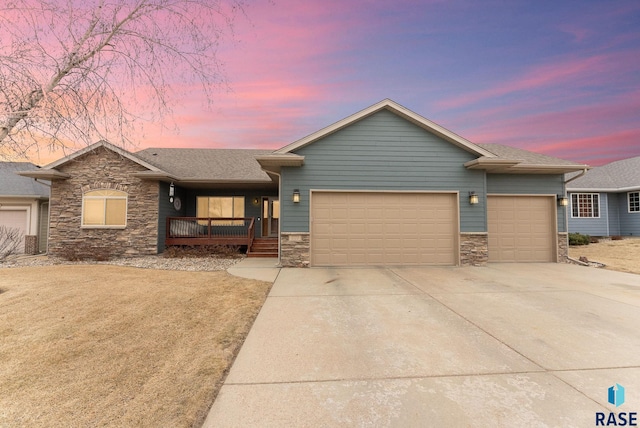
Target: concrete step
point(262, 254)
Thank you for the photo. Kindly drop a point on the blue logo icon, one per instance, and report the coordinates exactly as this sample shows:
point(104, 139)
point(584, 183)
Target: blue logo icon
point(616, 395)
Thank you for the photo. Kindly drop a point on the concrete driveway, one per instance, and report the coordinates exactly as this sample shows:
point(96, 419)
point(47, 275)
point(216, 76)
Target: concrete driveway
point(502, 345)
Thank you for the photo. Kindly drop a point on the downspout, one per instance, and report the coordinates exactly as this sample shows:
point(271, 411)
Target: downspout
point(584, 171)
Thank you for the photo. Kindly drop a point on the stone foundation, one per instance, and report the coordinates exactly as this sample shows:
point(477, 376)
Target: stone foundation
point(563, 247)
point(474, 249)
point(31, 244)
point(294, 249)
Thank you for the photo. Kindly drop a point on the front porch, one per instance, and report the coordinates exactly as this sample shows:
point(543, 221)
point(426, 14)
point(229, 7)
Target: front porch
point(206, 231)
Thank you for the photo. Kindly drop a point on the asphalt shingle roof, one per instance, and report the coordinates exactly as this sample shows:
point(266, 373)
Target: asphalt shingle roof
point(11, 184)
point(208, 164)
point(621, 174)
point(527, 157)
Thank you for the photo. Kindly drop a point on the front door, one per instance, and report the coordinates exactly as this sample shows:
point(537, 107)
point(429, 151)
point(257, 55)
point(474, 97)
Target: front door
point(270, 216)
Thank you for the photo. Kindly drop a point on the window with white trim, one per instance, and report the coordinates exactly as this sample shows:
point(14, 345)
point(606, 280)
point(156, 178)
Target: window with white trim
point(633, 198)
point(104, 208)
point(585, 205)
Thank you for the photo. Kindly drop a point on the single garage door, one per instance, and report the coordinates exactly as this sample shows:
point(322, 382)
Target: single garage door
point(521, 228)
point(370, 228)
point(15, 219)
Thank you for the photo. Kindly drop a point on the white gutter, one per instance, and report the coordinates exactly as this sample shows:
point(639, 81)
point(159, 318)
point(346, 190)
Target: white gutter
point(584, 171)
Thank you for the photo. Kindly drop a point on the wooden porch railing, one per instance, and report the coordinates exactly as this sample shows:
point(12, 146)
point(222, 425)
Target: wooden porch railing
point(209, 231)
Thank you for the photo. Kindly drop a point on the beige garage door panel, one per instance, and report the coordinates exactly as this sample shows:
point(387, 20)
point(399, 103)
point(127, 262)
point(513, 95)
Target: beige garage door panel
point(521, 228)
point(351, 228)
point(15, 219)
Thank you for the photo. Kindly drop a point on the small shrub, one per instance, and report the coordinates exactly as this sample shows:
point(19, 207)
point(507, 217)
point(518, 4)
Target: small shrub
point(579, 239)
point(593, 240)
point(617, 238)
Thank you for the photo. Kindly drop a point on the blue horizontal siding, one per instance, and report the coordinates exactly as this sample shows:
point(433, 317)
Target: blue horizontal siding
point(594, 226)
point(629, 222)
point(382, 152)
point(613, 202)
point(530, 184)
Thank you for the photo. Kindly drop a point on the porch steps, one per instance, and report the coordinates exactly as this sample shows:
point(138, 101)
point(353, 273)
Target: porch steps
point(264, 247)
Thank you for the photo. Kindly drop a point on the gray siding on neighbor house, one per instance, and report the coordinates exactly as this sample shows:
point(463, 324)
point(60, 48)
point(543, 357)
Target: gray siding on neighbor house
point(383, 152)
point(43, 227)
point(629, 222)
point(596, 226)
point(613, 203)
point(530, 184)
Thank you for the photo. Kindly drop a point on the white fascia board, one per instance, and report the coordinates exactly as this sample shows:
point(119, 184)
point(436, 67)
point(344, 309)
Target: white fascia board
point(602, 189)
point(107, 145)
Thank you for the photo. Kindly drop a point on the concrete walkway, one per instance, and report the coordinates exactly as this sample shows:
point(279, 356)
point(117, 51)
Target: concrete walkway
point(264, 269)
point(502, 345)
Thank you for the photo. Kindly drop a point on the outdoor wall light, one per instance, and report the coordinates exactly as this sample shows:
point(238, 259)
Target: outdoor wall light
point(473, 198)
point(563, 201)
point(172, 192)
point(296, 196)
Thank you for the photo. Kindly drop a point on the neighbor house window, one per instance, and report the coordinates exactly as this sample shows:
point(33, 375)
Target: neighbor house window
point(585, 205)
point(634, 202)
point(104, 208)
point(220, 207)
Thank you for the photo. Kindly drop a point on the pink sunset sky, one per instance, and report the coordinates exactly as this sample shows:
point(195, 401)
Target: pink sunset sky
point(556, 77)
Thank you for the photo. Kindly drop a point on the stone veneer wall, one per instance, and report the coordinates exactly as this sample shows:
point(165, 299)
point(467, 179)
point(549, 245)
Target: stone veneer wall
point(102, 169)
point(31, 244)
point(563, 247)
point(294, 249)
point(474, 249)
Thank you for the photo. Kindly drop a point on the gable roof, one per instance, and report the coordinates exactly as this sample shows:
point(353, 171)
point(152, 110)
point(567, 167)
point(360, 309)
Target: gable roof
point(14, 185)
point(397, 109)
point(206, 165)
point(179, 165)
point(49, 172)
point(494, 158)
point(618, 176)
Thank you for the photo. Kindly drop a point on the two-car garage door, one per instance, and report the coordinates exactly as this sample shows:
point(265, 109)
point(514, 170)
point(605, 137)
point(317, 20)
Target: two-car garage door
point(380, 228)
point(398, 228)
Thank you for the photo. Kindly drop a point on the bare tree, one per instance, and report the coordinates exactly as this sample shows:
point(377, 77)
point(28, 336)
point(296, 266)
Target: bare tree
point(11, 239)
point(75, 71)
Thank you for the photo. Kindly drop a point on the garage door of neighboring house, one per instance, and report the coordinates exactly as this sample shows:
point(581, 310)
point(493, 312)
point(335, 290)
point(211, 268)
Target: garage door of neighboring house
point(378, 228)
point(15, 219)
point(521, 228)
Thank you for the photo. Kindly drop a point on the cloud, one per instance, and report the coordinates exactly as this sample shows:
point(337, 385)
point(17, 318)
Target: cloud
point(540, 76)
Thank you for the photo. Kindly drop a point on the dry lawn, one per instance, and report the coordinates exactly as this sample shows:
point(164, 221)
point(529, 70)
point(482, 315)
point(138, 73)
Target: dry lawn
point(106, 345)
point(621, 255)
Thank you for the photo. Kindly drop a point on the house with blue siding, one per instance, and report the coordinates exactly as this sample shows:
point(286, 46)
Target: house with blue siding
point(384, 186)
point(605, 201)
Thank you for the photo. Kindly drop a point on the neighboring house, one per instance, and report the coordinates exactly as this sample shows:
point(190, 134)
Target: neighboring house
point(606, 200)
point(24, 204)
point(383, 186)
